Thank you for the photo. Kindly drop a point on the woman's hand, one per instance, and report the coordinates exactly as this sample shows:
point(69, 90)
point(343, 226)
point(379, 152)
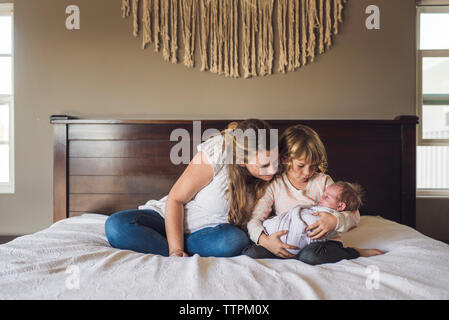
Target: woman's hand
point(178, 253)
point(321, 228)
point(274, 244)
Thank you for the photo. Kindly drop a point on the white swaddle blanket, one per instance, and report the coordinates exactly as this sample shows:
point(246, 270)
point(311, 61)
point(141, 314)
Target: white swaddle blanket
point(296, 221)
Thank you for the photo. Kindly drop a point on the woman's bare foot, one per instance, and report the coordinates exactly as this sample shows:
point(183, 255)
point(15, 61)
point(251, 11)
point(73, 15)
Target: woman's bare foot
point(369, 252)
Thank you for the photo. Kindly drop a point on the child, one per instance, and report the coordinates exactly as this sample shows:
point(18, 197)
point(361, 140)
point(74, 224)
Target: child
point(302, 181)
point(338, 197)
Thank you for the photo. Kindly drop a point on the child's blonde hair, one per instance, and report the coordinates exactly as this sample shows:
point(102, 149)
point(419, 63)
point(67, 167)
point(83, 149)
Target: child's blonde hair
point(351, 194)
point(302, 141)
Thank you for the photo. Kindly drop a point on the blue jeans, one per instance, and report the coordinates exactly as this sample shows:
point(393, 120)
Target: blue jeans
point(144, 231)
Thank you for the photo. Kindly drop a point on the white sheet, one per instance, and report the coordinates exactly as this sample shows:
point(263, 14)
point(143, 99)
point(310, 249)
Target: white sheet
point(36, 266)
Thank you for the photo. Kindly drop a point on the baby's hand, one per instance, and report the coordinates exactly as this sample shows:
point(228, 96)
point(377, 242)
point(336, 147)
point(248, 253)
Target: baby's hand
point(321, 228)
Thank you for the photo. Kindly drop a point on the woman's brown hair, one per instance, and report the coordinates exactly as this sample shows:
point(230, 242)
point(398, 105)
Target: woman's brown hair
point(244, 189)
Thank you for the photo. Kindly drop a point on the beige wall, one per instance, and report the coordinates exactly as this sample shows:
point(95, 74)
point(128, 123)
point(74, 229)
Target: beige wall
point(100, 71)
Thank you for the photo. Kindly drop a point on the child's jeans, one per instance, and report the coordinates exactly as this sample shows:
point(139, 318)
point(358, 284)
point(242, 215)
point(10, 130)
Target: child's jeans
point(144, 231)
point(319, 252)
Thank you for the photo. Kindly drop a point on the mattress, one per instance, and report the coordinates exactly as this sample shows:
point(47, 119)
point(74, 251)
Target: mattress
point(72, 259)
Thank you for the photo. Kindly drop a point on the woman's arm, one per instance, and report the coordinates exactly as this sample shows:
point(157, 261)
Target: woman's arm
point(198, 174)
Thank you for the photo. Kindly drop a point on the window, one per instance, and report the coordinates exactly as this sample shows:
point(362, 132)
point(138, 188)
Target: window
point(433, 100)
point(6, 99)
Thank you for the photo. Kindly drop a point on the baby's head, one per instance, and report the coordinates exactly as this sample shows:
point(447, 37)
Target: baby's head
point(342, 196)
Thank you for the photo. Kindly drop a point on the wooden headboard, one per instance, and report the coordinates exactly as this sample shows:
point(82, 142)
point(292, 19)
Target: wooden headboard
point(104, 166)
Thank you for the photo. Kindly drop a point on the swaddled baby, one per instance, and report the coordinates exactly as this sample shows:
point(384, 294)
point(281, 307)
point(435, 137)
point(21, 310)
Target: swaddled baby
point(341, 196)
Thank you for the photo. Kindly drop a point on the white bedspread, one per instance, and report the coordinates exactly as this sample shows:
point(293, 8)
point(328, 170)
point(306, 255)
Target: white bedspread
point(36, 267)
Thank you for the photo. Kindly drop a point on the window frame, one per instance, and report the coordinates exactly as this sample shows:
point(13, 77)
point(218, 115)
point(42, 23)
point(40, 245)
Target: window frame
point(7, 9)
point(421, 99)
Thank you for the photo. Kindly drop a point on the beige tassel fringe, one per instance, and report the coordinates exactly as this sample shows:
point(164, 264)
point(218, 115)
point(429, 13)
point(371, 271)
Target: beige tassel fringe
point(311, 43)
point(157, 24)
point(282, 25)
point(291, 36)
point(125, 8)
point(214, 37)
point(135, 8)
point(328, 22)
point(246, 37)
point(146, 21)
point(265, 39)
point(254, 24)
point(297, 29)
point(204, 33)
point(304, 32)
point(305, 29)
point(165, 16)
point(174, 26)
point(250, 23)
point(235, 73)
point(188, 15)
point(321, 27)
point(338, 15)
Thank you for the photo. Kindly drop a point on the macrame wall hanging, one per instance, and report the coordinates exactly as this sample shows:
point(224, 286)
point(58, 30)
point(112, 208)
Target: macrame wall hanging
point(234, 32)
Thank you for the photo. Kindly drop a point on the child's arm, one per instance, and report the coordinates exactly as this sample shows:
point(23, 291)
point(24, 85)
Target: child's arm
point(261, 212)
point(272, 243)
point(346, 220)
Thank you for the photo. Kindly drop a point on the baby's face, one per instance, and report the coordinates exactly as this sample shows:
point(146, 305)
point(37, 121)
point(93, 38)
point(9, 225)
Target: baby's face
point(329, 197)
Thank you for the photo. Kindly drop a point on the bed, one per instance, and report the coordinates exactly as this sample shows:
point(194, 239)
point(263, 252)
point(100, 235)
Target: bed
point(103, 166)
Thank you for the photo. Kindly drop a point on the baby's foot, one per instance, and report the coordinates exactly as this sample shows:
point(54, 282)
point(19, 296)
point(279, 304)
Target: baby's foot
point(369, 252)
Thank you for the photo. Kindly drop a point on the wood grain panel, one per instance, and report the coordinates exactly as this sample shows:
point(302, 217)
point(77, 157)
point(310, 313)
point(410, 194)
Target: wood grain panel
point(124, 166)
point(122, 132)
point(108, 203)
point(136, 131)
point(154, 149)
point(155, 184)
point(375, 165)
point(60, 172)
point(373, 131)
point(357, 132)
point(408, 174)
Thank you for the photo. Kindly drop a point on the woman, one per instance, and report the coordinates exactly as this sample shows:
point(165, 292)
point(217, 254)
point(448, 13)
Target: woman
point(207, 206)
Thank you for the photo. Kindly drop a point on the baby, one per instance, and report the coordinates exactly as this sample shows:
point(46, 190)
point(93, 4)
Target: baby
point(340, 196)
